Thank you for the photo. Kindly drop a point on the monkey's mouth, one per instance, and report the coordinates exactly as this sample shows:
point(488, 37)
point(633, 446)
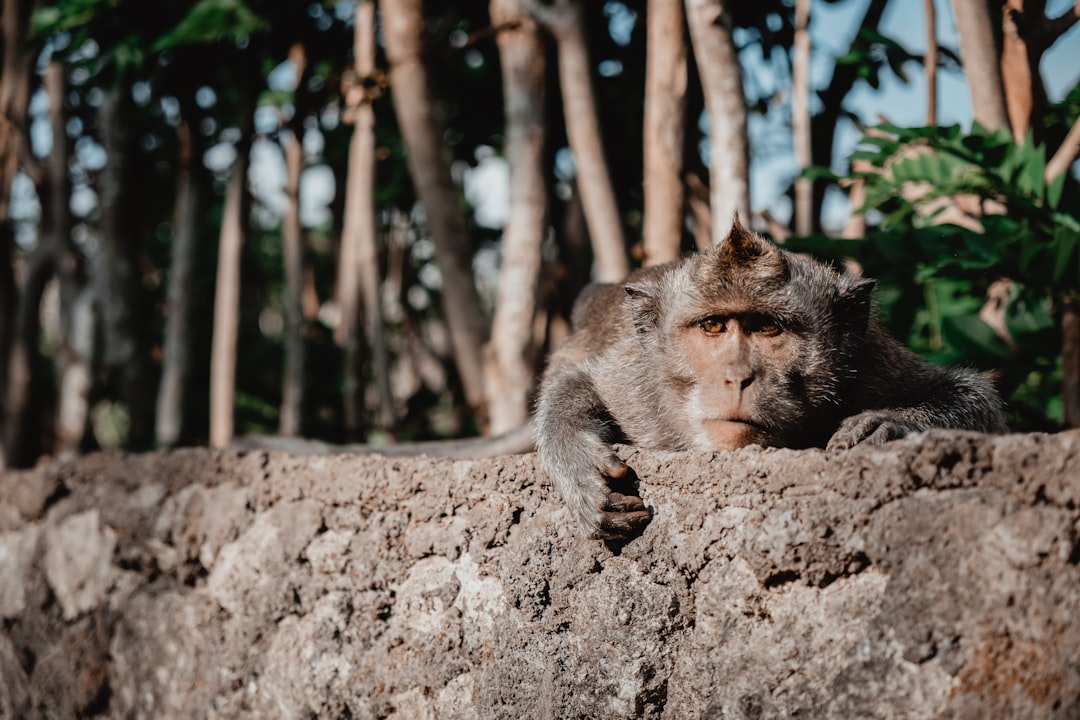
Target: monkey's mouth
point(731, 433)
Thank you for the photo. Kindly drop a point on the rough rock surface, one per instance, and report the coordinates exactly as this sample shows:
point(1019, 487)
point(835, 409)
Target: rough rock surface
point(934, 577)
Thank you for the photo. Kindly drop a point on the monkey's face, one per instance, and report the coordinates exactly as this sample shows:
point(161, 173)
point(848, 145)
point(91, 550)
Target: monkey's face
point(752, 342)
point(740, 361)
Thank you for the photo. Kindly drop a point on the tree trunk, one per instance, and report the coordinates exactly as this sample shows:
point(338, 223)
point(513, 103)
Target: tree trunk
point(15, 76)
point(429, 165)
point(74, 355)
point(823, 125)
point(565, 21)
point(718, 62)
point(511, 367)
point(118, 283)
point(980, 60)
point(800, 119)
point(1026, 35)
point(292, 238)
point(930, 61)
point(227, 293)
point(176, 361)
point(53, 255)
point(1070, 359)
point(22, 427)
point(664, 130)
point(359, 282)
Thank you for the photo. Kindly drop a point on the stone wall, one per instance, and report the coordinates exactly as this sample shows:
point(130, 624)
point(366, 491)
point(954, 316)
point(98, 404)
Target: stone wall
point(935, 577)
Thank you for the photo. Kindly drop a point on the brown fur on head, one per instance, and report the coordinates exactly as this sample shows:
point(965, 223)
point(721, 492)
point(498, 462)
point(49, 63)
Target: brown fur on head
point(754, 339)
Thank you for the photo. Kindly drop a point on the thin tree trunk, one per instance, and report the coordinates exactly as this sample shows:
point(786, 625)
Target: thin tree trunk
point(1065, 155)
point(116, 268)
point(21, 425)
point(1070, 359)
point(511, 368)
point(74, 355)
point(930, 61)
point(664, 130)
point(176, 361)
point(800, 118)
point(718, 62)
point(359, 282)
point(76, 378)
point(429, 165)
point(823, 125)
point(980, 60)
point(565, 21)
point(292, 238)
point(17, 68)
point(227, 294)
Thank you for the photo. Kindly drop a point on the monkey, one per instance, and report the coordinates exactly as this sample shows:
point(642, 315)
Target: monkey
point(743, 344)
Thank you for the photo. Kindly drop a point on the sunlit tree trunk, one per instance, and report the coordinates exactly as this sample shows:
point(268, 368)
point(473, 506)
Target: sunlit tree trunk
point(565, 21)
point(429, 165)
point(721, 78)
point(74, 356)
point(227, 294)
point(292, 238)
point(980, 59)
point(1026, 34)
point(115, 268)
point(511, 367)
point(800, 118)
point(930, 62)
point(665, 105)
point(359, 281)
point(176, 359)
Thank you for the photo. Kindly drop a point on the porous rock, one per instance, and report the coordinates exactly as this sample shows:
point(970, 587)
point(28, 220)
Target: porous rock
point(937, 576)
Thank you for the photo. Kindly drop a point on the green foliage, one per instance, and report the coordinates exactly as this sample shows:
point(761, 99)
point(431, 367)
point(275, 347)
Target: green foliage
point(956, 211)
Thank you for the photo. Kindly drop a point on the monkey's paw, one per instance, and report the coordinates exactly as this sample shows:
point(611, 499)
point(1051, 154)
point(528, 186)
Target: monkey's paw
point(622, 514)
point(873, 427)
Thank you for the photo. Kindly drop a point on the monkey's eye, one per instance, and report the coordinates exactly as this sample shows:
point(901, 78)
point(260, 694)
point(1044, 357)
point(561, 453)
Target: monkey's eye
point(712, 326)
point(768, 328)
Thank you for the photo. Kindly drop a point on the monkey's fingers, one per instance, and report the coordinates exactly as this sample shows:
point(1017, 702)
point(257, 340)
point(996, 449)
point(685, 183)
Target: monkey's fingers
point(870, 428)
point(613, 467)
point(621, 525)
point(623, 516)
point(619, 503)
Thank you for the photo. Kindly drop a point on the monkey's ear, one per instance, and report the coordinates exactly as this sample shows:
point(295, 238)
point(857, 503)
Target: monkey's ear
point(855, 300)
point(644, 301)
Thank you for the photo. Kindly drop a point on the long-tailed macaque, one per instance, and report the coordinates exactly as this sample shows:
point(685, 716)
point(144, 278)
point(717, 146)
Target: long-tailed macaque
point(746, 344)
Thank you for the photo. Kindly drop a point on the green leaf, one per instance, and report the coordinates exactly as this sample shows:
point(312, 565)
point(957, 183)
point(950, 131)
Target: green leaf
point(1053, 191)
point(210, 20)
point(1064, 247)
point(974, 338)
point(1028, 314)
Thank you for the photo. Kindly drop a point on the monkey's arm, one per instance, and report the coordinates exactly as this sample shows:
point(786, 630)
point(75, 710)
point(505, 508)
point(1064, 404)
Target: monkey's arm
point(905, 394)
point(574, 432)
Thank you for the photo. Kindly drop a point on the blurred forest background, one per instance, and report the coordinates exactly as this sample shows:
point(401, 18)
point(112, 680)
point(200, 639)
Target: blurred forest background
point(368, 221)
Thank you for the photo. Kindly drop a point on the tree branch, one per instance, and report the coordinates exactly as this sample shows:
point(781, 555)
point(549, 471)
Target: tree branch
point(1065, 154)
point(1053, 28)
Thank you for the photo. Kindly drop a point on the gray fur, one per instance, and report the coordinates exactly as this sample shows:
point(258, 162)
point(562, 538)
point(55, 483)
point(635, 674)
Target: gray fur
point(841, 379)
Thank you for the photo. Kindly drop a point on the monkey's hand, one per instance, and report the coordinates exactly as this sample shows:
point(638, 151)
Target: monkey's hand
point(595, 484)
point(573, 439)
point(872, 427)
